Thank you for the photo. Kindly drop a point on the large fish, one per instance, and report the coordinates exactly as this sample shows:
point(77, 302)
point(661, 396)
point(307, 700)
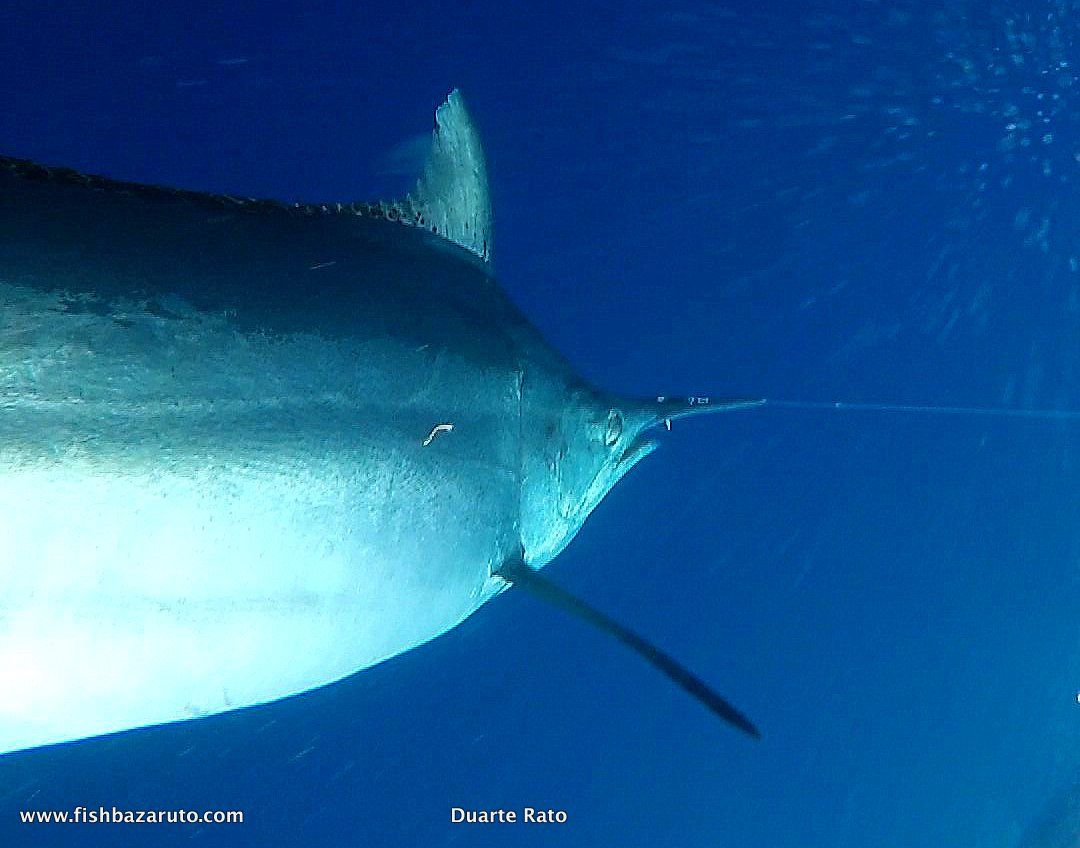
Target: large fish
point(248, 448)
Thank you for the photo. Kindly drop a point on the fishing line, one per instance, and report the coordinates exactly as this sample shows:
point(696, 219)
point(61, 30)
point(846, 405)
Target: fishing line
point(985, 411)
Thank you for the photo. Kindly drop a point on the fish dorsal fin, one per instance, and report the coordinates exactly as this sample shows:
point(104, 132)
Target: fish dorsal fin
point(451, 198)
point(452, 195)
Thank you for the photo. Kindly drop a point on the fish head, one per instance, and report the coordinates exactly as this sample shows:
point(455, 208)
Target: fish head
point(575, 453)
point(577, 448)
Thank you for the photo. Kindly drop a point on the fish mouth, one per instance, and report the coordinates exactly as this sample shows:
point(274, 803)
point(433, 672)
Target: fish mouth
point(652, 415)
point(636, 451)
point(607, 477)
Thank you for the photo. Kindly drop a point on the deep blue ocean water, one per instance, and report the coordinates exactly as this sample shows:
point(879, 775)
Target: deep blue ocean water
point(861, 201)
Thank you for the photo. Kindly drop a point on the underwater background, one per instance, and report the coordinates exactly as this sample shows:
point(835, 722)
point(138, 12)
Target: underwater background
point(867, 202)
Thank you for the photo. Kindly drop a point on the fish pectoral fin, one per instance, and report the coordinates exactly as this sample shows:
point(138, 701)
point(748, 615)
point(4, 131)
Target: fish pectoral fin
point(517, 573)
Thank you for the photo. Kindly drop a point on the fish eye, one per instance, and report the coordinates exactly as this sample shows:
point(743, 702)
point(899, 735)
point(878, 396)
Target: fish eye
point(614, 428)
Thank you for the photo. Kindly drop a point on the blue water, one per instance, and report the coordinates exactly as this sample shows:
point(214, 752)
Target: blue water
point(859, 201)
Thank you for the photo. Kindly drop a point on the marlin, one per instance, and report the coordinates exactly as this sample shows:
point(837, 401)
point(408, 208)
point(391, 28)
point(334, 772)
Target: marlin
point(248, 447)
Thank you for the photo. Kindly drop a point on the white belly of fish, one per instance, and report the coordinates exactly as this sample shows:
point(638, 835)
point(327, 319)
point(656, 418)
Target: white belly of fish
point(143, 598)
point(194, 520)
